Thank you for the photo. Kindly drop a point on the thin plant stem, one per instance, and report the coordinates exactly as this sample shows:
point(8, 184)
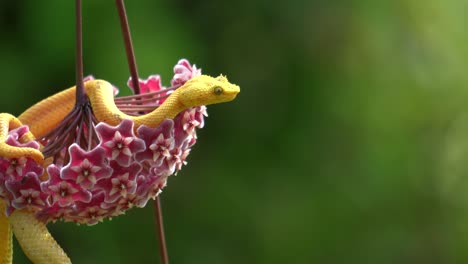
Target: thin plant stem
point(160, 227)
point(128, 44)
point(136, 88)
point(149, 94)
point(80, 93)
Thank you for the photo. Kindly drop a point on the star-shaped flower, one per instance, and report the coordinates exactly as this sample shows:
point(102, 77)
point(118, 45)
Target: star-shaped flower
point(86, 168)
point(15, 138)
point(200, 114)
point(189, 123)
point(120, 206)
point(63, 192)
point(27, 192)
point(185, 125)
point(149, 188)
point(182, 160)
point(54, 213)
point(149, 85)
point(90, 213)
point(3, 190)
point(120, 143)
point(15, 168)
point(159, 142)
point(122, 183)
point(184, 71)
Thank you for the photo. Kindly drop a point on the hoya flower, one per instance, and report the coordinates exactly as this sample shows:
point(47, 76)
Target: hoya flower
point(119, 142)
point(27, 192)
point(98, 168)
point(122, 183)
point(159, 140)
point(108, 154)
point(90, 213)
point(151, 84)
point(184, 71)
point(86, 168)
point(62, 192)
point(15, 168)
point(84, 155)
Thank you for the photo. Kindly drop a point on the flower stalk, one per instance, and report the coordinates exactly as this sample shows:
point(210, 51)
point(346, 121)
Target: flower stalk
point(128, 44)
point(80, 93)
point(160, 227)
point(83, 155)
point(136, 89)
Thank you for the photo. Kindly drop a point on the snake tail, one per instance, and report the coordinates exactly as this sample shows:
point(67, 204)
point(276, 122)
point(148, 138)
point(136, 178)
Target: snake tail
point(6, 237)
point(35, 240)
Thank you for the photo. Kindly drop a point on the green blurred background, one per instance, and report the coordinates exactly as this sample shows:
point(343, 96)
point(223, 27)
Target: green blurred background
point(347, 144)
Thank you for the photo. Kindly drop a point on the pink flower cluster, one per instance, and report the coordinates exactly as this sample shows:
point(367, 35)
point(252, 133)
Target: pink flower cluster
point(125, 169)
point(183, 71)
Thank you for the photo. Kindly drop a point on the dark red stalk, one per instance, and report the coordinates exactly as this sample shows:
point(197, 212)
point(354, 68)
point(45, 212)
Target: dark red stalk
point(80, 93)
point(160, 227)
point(136, 88)
point(150, 94)
point(128, 44)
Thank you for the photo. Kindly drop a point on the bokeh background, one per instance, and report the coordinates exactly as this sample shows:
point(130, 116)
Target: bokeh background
point(347, 144)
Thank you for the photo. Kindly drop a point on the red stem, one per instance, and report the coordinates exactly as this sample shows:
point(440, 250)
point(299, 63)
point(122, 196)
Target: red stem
point(136, 88)
point(128, 44)
point(80, 93)
point(160, 228)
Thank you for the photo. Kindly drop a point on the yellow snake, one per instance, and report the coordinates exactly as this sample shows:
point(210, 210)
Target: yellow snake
point(32, 235)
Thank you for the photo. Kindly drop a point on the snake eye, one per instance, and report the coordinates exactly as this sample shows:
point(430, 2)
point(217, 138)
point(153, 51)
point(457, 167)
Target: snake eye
point(218, 90)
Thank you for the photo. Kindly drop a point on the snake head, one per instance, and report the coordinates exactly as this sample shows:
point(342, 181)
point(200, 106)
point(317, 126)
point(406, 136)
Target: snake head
point(206, 90)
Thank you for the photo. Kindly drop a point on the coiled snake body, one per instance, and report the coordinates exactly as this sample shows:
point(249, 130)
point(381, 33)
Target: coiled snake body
point(36, 241)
